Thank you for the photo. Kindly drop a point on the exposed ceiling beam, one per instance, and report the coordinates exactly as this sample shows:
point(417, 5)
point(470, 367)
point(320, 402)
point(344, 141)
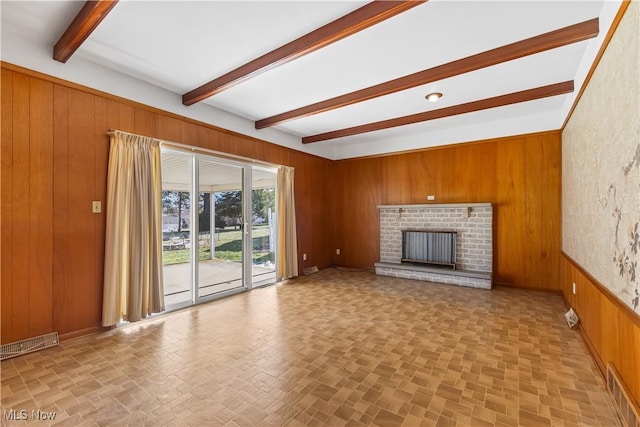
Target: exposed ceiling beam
point(87, 20)
point(483, 104)
point(358, 20)
point(554, 39)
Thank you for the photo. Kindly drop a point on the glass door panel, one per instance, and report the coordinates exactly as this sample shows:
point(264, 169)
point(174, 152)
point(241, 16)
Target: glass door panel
point(221, 228)
point(263, 228)
point(176, 230)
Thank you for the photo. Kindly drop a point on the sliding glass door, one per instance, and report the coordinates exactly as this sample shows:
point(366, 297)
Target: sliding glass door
point(177, 180)
point(263, 228)
point(219, 227)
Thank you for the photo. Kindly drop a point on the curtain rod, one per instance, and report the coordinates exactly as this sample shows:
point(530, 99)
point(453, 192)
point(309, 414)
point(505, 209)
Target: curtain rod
point(194, 149)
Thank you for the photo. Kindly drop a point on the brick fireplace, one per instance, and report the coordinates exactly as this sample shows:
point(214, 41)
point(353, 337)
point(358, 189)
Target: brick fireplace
point(473, 224)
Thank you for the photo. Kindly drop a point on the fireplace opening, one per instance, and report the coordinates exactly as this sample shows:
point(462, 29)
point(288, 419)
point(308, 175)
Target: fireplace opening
point(431, 247)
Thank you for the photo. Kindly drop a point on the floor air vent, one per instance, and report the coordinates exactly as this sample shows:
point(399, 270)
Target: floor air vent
point(27, 346)
point(627, 408)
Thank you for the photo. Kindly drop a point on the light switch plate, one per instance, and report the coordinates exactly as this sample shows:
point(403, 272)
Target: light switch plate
point(96, 206)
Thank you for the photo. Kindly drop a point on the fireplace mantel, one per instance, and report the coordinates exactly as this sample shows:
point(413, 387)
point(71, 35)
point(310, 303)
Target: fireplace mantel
point(436, 205)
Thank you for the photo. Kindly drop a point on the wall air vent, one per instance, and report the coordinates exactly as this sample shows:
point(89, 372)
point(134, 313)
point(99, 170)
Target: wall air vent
point(310, 270)
point(27, 346)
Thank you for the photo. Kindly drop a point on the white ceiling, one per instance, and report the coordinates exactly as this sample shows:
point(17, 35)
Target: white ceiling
point(155, 51)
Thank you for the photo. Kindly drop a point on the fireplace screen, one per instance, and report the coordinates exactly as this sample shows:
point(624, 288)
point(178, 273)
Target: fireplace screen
point(429, 247)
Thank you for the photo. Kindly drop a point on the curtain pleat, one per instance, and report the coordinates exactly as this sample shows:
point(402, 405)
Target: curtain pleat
point(287, 265)
point(133, 285)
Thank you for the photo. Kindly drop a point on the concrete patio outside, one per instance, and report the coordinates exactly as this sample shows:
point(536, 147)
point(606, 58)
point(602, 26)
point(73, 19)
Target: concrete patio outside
point(215, 276)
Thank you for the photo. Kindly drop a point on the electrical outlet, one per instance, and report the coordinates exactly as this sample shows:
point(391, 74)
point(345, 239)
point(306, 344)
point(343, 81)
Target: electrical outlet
point(337, 251)
point(431, 197)
point(96, 206)
point(304, 257)
point(574, 288)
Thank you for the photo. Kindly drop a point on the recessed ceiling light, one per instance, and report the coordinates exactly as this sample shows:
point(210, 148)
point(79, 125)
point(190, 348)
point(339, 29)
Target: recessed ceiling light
point(433, 97)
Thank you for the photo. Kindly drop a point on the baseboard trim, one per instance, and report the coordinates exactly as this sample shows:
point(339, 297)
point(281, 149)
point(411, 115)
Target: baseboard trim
point(528, 288)
point(587, 341)
point(83, 332)
point(594, 353)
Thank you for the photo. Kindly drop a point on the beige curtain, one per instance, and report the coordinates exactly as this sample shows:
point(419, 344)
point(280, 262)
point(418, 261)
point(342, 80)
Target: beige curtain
point(287, 265)
point(133, 287)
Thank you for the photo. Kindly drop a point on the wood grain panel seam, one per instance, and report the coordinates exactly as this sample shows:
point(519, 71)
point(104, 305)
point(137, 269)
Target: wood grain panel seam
point(61, 227)
point(21, 111)
point(633, 316)
point(6, 240)
point(40, 233)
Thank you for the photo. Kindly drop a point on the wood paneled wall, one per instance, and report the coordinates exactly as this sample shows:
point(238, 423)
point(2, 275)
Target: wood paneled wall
point(55, 154)
point(610, 329)
point(27, 212)
point(519, 175)
point(54, 164)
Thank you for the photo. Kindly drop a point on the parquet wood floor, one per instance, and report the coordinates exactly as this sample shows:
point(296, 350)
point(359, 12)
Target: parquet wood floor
point(335, 348)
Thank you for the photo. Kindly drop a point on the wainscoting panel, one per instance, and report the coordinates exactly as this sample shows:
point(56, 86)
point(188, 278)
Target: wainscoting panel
point(609, 327)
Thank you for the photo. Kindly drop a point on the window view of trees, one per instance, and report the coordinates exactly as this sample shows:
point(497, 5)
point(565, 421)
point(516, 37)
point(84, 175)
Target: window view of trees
point(228, 209)
point(176, 207)
point(261, 200)
point(176, 204)
point(218, 225)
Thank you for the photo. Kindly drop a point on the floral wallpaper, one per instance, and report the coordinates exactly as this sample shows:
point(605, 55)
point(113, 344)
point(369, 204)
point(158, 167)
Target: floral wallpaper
point(601, 168)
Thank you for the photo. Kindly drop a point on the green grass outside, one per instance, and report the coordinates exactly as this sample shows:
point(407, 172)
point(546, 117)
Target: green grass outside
point(181, 255)
point(228, 247)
